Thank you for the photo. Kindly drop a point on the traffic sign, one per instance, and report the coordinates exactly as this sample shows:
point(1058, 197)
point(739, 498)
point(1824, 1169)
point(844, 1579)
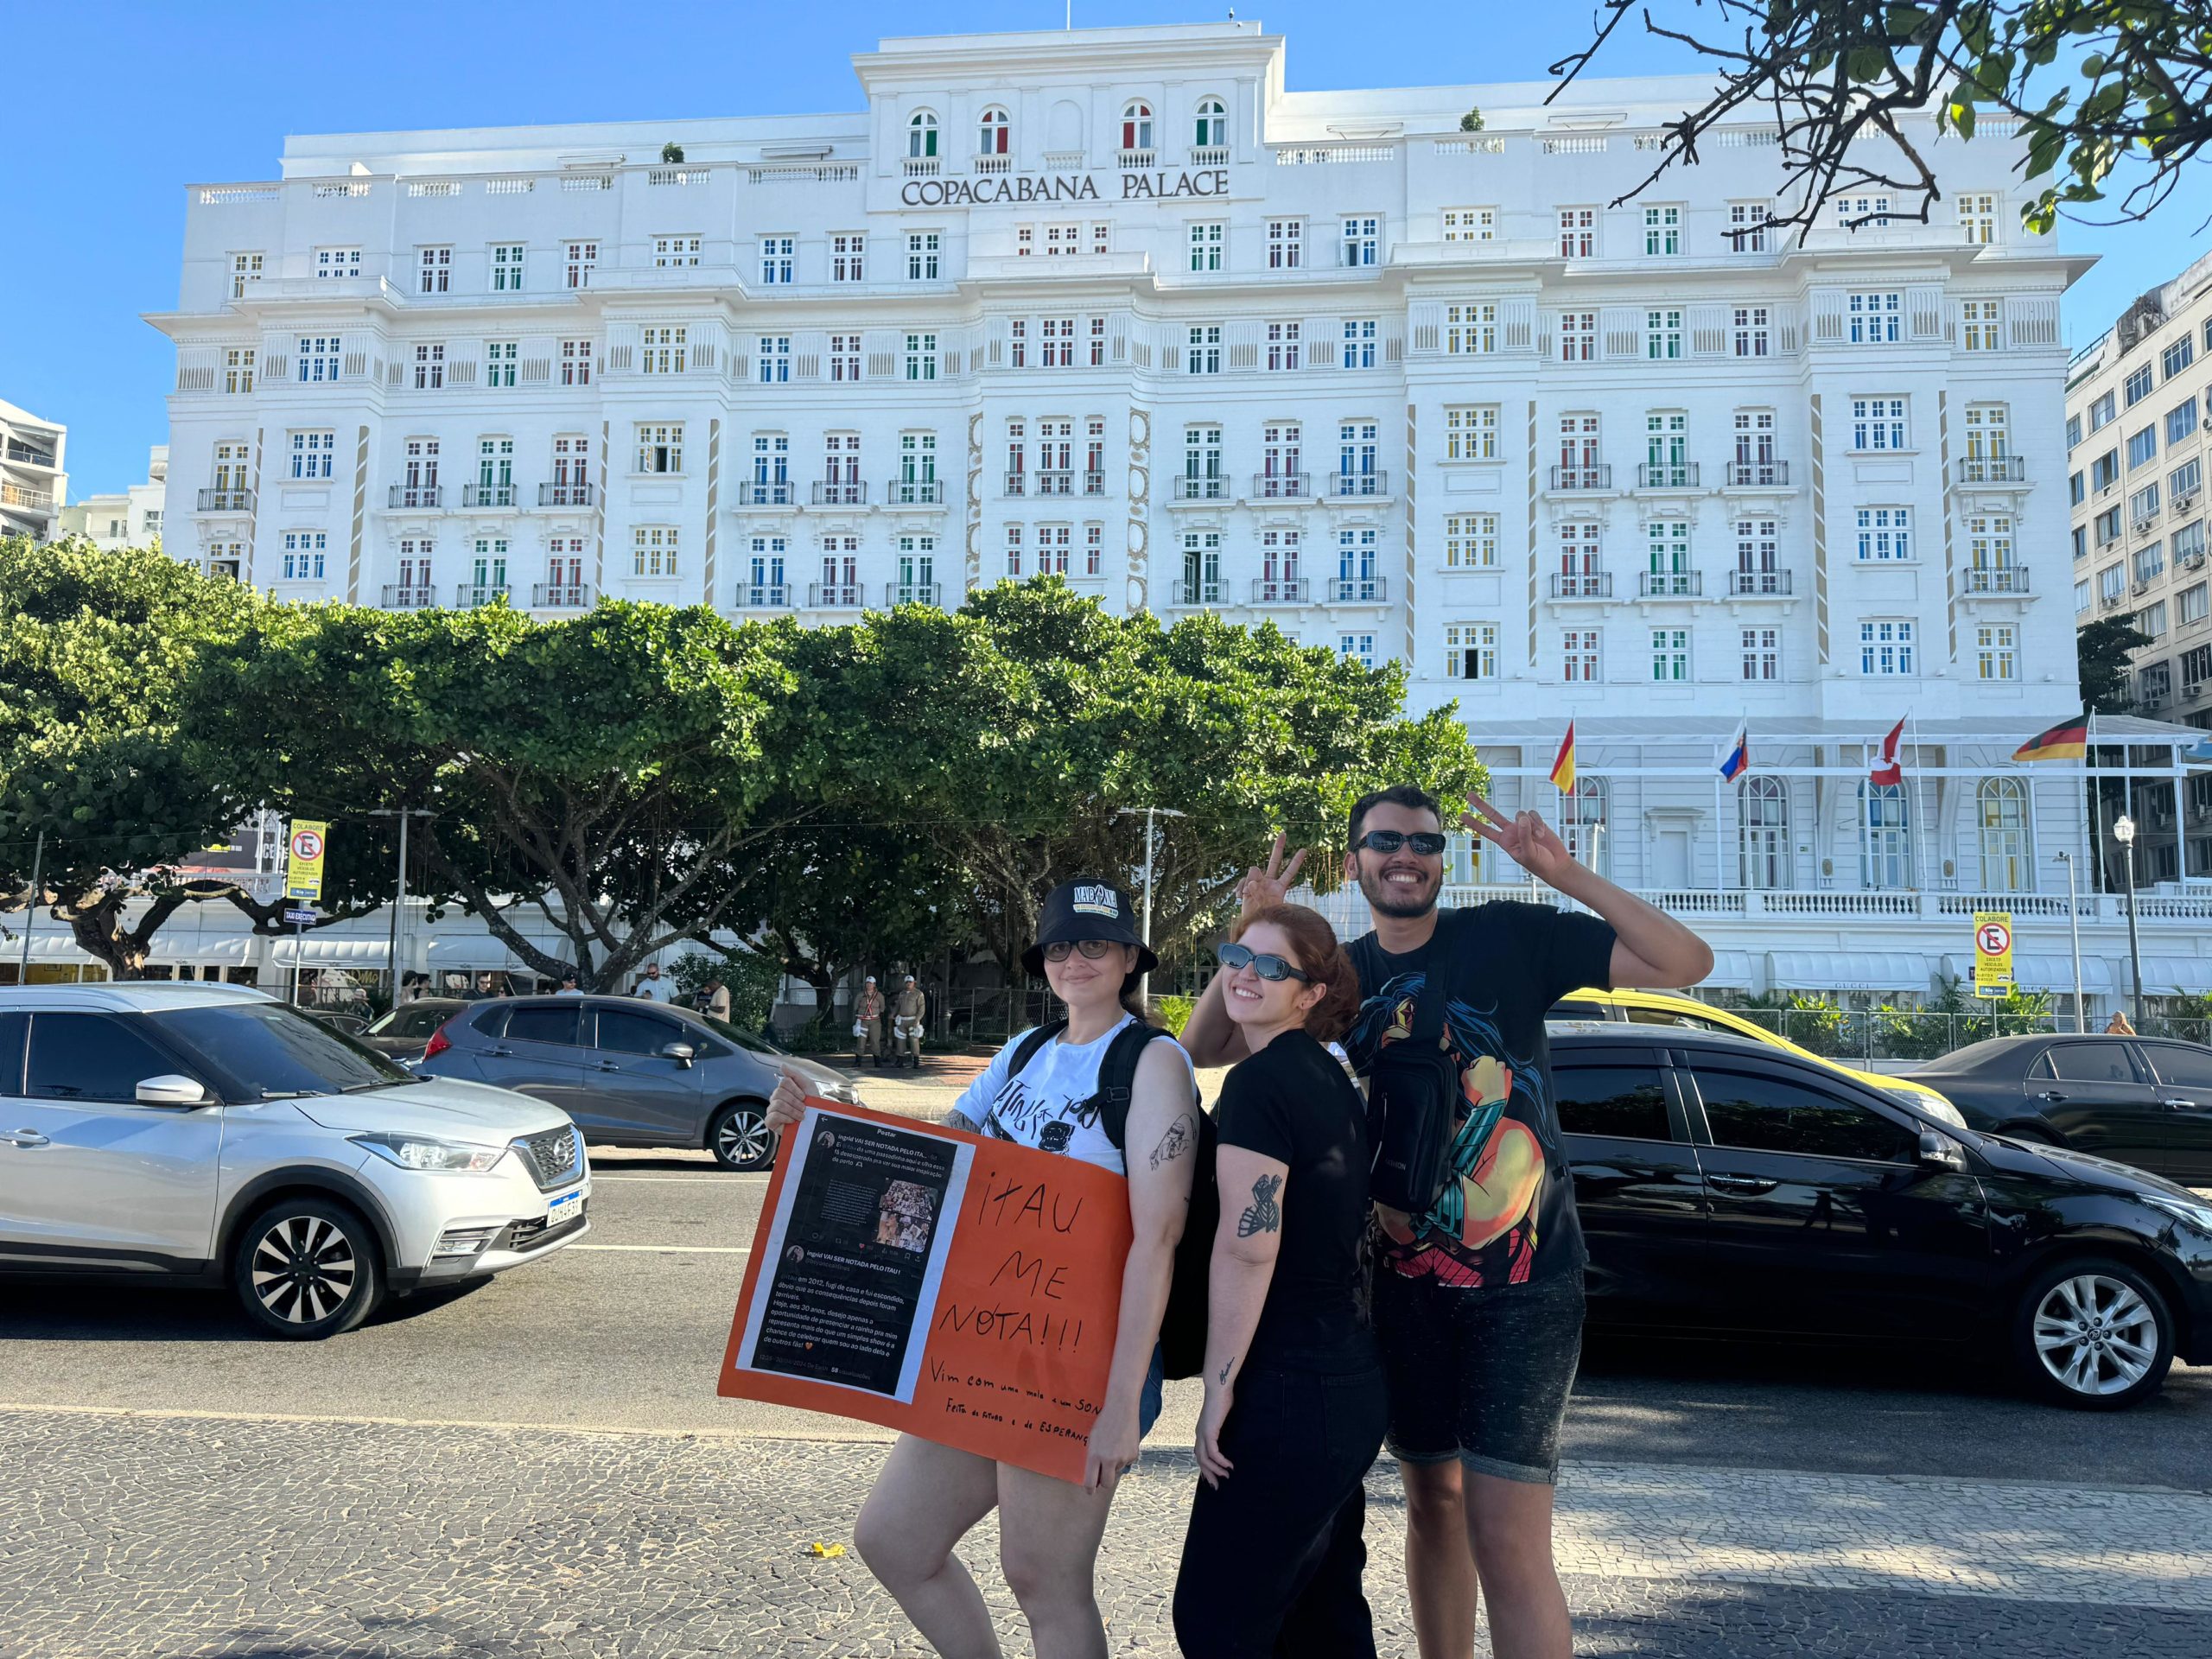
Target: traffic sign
point(300, 917)
point(303, 874)
point(1993, 953)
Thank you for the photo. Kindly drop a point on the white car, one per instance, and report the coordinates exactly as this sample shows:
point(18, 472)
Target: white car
point(198, 1133)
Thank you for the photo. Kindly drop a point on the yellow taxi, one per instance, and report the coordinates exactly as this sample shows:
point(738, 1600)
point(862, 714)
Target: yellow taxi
point(1666, 1008)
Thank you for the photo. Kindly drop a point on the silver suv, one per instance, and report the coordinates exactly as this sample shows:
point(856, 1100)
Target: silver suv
point(202, 1134)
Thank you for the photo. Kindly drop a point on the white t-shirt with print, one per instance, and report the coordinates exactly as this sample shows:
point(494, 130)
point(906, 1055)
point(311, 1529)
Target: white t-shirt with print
point(1044, 1106)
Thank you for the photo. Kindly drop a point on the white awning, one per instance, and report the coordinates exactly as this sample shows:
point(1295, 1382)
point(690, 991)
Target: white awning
point(1847, 971)
point(1732, 970)
point(2177, 976)
point(461, 952)
point(2044, 973)
point(333, 953)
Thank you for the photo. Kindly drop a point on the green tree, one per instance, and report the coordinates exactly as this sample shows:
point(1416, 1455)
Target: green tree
point(1472, 121)
point(2100, 653)
point(2094, 84)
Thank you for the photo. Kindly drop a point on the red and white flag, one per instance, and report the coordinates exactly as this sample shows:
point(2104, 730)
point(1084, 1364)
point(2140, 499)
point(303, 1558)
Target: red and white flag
point(1888, 769)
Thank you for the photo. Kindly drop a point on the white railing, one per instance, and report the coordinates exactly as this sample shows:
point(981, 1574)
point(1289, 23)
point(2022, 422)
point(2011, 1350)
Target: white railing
point(225, 194)
point(1063, 160)
point(1135, 161)
point(1480, 144)
point(987, 164)
point(509, 187)
point(1747, 138)
point(1325, 155)
point(921, 167)
point(587, 181)
point(343, 189)
point(1209, 156)
point(797, 173)
point(1578, 143)
point(677, 175)
point(433, 188)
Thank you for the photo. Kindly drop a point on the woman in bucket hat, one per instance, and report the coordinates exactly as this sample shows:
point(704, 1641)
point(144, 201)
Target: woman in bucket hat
point(1044, 1094)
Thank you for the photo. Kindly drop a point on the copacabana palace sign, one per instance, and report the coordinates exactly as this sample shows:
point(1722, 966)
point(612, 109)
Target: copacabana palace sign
point(1061, 186)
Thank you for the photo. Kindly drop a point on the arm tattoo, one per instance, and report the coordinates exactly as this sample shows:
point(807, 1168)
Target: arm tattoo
point(1173, 1144)
point(1264, 1215)
point(1227, 1366)
point(961, 1120)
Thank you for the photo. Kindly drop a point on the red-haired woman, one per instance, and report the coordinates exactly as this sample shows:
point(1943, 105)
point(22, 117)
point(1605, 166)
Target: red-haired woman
point(1295, 1407)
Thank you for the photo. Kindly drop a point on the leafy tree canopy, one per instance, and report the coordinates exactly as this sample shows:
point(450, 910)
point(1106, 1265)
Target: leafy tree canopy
point(2101, 649)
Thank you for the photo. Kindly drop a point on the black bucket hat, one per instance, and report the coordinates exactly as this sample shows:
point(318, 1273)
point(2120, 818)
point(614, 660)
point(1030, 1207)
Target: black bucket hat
point(1087, 908)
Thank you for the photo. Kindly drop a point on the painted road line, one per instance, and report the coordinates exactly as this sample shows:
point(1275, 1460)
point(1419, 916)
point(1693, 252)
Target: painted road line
point(730, 1179)
point(665, 1249)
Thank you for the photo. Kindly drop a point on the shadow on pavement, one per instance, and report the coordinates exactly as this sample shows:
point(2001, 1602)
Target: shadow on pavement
point(61, 1310)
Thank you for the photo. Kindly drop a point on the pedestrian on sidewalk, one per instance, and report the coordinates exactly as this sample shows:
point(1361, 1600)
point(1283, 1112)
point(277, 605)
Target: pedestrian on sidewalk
point(1479, 1253)
point(1295, 1406)
point(907, 1025)
point(653, 987)
point(868, 1024)
point(929, 1497)
point(2118, 1026)
point(713, 998)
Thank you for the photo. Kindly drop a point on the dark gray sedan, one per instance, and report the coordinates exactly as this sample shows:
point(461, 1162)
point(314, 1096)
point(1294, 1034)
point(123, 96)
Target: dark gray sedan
point(629, 1072)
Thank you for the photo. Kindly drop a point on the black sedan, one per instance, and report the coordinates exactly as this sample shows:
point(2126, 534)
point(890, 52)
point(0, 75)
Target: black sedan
point(1727, 1189)
point(2146, 1100)
point(404, 1032)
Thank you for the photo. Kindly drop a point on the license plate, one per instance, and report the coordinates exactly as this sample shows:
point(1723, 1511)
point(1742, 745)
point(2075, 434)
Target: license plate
point(564, 1209)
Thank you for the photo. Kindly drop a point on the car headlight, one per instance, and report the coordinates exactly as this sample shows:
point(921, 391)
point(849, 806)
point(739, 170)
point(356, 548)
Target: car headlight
point(428, 1151)
point(1936, 1106)
point(2187, 1211)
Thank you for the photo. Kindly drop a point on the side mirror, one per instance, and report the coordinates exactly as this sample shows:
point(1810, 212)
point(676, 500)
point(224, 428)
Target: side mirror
point(1940, 1151)
point(170, 1090)
point(682, 1054)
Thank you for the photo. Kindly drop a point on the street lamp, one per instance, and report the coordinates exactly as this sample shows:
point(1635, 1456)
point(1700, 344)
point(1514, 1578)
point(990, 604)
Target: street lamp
point(2123, 832)
point(2074, 926)
point(1144, 980)
point(399, 898)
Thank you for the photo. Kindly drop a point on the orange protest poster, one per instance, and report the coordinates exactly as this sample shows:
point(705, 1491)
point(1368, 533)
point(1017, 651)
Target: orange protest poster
point(937, 1282)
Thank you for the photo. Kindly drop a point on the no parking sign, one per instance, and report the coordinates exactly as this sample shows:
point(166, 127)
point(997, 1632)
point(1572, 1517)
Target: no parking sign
point(303, 871)
point(1993, 953)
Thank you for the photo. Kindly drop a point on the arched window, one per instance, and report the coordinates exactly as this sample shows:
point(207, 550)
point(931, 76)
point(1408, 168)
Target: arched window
point(921, 135)
point(993, 132)
point(1762, 810)
point(1137, 125)
point(1213, 124)
point(1884, 836)
point(2007, 837)
point(1582, 823)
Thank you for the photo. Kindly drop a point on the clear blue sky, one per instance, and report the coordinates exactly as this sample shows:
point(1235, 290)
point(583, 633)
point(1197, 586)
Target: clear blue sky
point(115, 107)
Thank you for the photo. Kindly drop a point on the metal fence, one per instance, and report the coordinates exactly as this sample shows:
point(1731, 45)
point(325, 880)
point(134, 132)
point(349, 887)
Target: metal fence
point(1876, 1036)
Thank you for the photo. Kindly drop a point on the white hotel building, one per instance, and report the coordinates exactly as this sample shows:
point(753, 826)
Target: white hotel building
point(1119, 305)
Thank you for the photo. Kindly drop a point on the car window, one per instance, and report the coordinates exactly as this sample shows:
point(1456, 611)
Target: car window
point(2175, 1062)
point(256, 1050)
point(14, 1027)
point(1680, 1021)
point(1624, 1100)
point(627, 1032)
point(91, 1057)
point(1570, 1010)
point(2090, 1063)
point(545, 1022)
point(1763, 1113)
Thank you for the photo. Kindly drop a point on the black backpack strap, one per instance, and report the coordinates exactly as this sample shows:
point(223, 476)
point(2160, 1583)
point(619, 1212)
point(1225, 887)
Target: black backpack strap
point(1031, 1044)
point(1117, 1076)
point(1428, 1007)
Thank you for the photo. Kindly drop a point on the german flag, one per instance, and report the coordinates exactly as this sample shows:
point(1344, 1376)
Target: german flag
point(2067, 741)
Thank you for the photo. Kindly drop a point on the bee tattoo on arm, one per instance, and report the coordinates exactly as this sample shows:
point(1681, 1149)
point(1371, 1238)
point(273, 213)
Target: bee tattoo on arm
point(1264, 1215)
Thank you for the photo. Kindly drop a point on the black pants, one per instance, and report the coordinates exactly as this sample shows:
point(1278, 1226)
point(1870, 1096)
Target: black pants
point(1272, 1561)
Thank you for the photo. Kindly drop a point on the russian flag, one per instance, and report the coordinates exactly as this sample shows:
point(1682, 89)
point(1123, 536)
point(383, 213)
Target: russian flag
point(1738, 758)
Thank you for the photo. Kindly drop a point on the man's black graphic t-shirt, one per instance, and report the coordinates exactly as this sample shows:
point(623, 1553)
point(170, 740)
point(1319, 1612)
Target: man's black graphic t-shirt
point(1508, 1215)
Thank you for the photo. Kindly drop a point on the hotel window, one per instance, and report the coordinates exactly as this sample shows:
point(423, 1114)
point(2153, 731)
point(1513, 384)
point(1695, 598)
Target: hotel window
point(1978, 217)
point(2176, 356)
point(1884, 534)
point(653, 550)
point(429, 367)
point(660, 447)
point(1137, 125)
point(1752, 330)
point(1056, 342)
point(2181, 421)
point(304, 551)
point(993, 132)
point(664, 353)
point(1282, 345)
point(1359, 647)
point(244, 268)
point(2102, 412)
point(1053, 544)
point(841, 467)
point(1356, 551)
point(1207, 245)
point(507, 267)
point(769, 553)
point(1013, 549)
point(772, 465)
point(434, 270)
point(1279, 565)
point(775, 358)
point(1362, 240)
point(1980, 320)
point(1203, 353)
point(1754, 461)
point(1360, 343)
point(495, 472)
point(1471, 651)
point(422, 474)
point(1663, 232)
point(921, 255)
point(1017, 462)
point(921, 357)
point(582, 259)
point(1212, 129)
point(229, 466)
point(1470, 541)
point(500, 363)
point(1670, 656)
point(1281, 457)
point(2137, 386)
point(917, 465)
point(1470, 329)
point(844, 357)
point(1747, 223)
point(1989, 554)
point(318, 357)
point(1578, 558)
point(1093, 547)
point(674, 251)
point(1202, 463)
point(1201, 583)
point(1094, 455)
point(1863, 213)
point(1874, 319)
point(1356, 454)
point(1579, 659)
point(1878, 423)
point(1097, 342)
point(1286, 237)
point(921, 135)
point(1669, 571)
point(1662, 336)
point(1578, 336)
point(337, 261)
point(1578, 232)
point(311, 453)
point(576, 362)
point(238, 369)
point(1762, 654)
point(1885, 647)
point(776, 260)
point(849, 257)
point(2142, 448)
point(1471, 432)
point(1018, 343)
point(416, 580)
point(1471, 224)
point(1667, 450)
point(1988, 431)
point(1997, 651)
point(571, 471)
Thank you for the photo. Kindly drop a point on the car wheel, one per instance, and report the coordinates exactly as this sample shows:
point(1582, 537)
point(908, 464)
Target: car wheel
point(2092, 1334)
point(740, 1136)
point(306, 1267)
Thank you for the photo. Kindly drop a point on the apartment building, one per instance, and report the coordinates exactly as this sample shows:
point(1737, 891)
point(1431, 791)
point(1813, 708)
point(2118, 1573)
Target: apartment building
point(33, 478)
point(130, 517)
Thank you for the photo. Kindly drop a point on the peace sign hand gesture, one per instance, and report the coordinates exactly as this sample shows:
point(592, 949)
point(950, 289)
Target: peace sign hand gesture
point(1260, 888)
point(1526, 840)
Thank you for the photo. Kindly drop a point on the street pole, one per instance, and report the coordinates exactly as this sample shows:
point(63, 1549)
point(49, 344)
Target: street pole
point(2123, 830)
point(30, 909)
point(399, 902)
point(2074, 926)
point(1144, 980)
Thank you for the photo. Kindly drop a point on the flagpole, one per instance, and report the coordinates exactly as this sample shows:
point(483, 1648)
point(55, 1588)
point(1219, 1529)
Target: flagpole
point(1919, 850)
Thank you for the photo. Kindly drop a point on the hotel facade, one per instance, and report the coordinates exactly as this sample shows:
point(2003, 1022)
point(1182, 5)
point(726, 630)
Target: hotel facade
point(1117, 305)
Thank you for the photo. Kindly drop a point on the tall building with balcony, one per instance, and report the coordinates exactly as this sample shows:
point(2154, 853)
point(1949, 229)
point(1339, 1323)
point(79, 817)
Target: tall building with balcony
point(130, 517)
point(34, 476)
point(1118, 305)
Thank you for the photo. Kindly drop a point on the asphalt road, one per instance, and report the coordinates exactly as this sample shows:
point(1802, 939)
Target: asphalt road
point(625, 1331)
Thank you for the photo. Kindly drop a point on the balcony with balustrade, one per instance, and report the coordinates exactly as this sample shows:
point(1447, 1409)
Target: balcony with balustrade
point(1667, 475)
point(471, 595)
point(1576, 480)
point(567, 495)
point(226, 500)
point(1358, 487)
point(1281, 486)
point(24, 455)
point(913, 493)
point(1586, 584)
point(1995, 581)
point(1985, 470)
point(416, 497)
point(1669, 584)
point(766, 493)
point(1281, 590)
point(21, 495)
point(1359, 590)
point(1135, 161)
point(400, 596)
point(1094, 483)
point(1758, 475)
point(1758, 584)
point(479, 496)
point(834, 493)
point(1186, 592)
point(561, 596)
point(1209, 156)
point(915, 593)
point(833, 596)
point(762, 596)
point(1198, 491)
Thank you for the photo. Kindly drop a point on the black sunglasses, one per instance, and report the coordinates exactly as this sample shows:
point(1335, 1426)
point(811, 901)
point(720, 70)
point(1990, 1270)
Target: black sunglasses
point(1427, 843)
point(1267, 965)
point(1092, 949)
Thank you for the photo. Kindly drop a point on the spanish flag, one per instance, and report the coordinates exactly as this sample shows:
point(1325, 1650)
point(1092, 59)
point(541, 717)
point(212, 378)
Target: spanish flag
point(1563, 766)
point(2067, 741)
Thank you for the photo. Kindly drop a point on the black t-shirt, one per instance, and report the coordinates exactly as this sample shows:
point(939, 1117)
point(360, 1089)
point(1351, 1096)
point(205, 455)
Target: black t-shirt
point(1509, 1216)
point(1291, 1102)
